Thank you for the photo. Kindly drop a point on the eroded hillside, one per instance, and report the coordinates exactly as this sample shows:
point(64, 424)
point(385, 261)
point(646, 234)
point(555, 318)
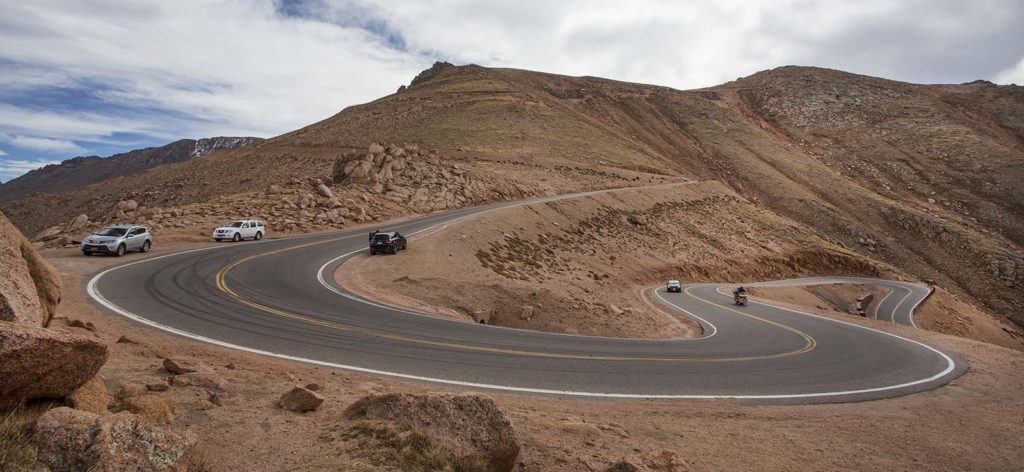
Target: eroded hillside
point(582, 265)
point(922, 177)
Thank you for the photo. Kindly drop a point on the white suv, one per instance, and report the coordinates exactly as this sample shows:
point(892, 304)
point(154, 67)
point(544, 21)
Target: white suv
point(241, 229)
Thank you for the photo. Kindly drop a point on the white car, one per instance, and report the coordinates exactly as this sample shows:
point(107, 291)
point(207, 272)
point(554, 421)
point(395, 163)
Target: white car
point(674, 286)
point(241, 229)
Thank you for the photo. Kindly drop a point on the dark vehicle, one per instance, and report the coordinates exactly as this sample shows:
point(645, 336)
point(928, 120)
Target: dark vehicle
point(739, 296)
point(387, 242)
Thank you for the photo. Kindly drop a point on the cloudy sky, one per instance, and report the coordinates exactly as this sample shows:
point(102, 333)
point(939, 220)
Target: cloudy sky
point(83, 77)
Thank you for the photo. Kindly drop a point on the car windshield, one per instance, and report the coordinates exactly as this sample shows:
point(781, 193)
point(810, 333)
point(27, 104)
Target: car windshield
point(235, 224)
point(112, 232)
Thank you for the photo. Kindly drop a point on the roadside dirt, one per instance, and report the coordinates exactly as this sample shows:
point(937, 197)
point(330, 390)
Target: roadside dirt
point(973, 424)
point(941, 312)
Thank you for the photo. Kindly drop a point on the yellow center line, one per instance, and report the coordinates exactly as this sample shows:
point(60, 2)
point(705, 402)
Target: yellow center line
point(900, 303)
point(223, 287)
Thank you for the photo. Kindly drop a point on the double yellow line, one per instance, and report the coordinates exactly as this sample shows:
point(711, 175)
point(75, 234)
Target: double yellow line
point(223, 287)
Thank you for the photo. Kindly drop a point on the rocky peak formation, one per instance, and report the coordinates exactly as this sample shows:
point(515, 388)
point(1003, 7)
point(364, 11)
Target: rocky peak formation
point(80, 171)
point(407, 175)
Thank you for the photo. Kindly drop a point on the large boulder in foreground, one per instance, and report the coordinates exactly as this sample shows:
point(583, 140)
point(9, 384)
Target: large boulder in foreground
point(477, 433)
point(36, 362)
point(71, 439)
point(29, 286)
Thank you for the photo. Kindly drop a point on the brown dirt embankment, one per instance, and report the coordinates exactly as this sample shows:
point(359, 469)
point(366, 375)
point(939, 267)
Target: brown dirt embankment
point(576, 265)
point(941, 312)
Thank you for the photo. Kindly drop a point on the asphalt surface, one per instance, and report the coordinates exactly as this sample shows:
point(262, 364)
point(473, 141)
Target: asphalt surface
point(278, 298)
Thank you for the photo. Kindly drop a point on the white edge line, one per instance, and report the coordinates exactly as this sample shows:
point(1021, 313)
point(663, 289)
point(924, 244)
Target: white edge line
point(714, 329)
point(94, 293)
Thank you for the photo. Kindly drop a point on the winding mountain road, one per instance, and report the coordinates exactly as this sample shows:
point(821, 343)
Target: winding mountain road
point(278, 298)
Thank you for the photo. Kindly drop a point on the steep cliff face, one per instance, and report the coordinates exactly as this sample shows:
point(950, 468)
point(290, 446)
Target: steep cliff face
point(84, 170)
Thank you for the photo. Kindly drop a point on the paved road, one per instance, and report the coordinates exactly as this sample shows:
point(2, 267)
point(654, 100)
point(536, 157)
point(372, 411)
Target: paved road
point(278, 298)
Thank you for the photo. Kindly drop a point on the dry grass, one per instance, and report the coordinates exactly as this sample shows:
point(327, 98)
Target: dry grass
point(400, 445)
point(17, 451)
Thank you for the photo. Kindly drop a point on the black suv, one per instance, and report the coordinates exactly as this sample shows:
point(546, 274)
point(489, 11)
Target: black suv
point(386, 242)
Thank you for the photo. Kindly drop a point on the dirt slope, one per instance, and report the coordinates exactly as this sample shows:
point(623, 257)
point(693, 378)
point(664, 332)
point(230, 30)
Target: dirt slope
point(580, 265)
point(922, 177)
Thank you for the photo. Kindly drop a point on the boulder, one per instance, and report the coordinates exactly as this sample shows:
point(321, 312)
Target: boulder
point(185, 365)
point(92, 396)
point(324, 191)
point(614, 310)
point(274, 189)
point(301, 400)
point(69, 439)
point(37, 362)
point(375, 149)
point(76, 224)
point(127, 205)
point(471, 427)
point(30, 287)
point(47, 234)
point(153, 408)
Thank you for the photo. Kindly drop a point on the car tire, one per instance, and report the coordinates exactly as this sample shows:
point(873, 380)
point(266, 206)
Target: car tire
point(120, 250)
point(237, 237)
point(145, 247)
point(258, 236)
point(86, 253)
point(216, 239)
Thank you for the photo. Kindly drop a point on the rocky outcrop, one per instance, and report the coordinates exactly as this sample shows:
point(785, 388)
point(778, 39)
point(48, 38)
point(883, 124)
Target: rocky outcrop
point(418, 179)
point(37, 362)
point(301, 400)
point(471, 427)
point(30, 287)
point(71, 440)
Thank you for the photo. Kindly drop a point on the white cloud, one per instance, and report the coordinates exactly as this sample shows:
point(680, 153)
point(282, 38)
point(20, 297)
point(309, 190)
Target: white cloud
point(172, 70)
point(2, 153)
point(43, 144)
point(1013, 75)
point(15, 167)
point(237, 67)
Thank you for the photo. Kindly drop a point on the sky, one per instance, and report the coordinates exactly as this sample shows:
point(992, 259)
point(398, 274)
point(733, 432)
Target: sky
point(89, 77)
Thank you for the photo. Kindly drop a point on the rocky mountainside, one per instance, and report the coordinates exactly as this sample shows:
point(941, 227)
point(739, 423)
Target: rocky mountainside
point(84, 170)
point(922, 177)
